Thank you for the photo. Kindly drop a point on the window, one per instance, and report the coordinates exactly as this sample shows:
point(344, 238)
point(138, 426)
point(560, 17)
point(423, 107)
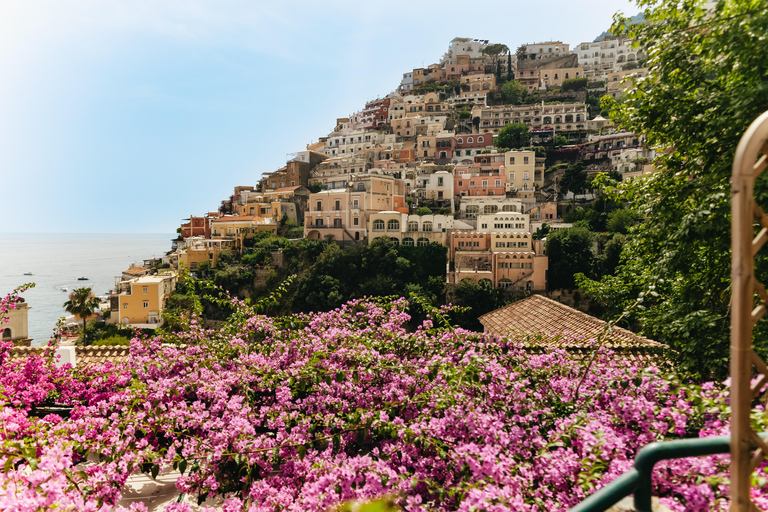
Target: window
point(439, 182)
point(125, 306)
point(426, 226)
point(319, 207)
point(144, 290)
point(525, 159)
point(525, 176)
point(378, 225)
point(393, 225)
point(512, 161)
point(408, 241)
point(485, 183)
point(337, 223)
point(413, 225)
point(356, 221)
point(319, 223)
point(469, 140)
point(421, 242)
point(479, 139)
point(498, 183)
point(337, 205)
point(146, 304)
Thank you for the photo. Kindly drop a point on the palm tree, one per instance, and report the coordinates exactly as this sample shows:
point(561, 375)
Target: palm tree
point(82, 302)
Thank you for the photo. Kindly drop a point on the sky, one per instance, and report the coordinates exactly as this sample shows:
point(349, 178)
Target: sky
point(126, 116)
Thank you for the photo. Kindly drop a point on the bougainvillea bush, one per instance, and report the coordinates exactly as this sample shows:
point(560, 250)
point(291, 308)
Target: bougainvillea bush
point(307, 412)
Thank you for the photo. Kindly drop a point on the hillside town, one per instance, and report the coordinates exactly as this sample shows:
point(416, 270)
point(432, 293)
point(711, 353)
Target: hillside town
point(424, 165)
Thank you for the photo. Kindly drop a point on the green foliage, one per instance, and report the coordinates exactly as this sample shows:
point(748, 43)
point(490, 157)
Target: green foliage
point(477, 298)
point(112, 341)
point(465, 114)
point(703, 90)
point(83, 303)
point(423, 210)
point(494, 51)
point(619, 221)
point(575, 84)
point(513, 135)
point(315, 187)
point(570, 252)
point(574, 179)
point(514, 92)
point(560, 140)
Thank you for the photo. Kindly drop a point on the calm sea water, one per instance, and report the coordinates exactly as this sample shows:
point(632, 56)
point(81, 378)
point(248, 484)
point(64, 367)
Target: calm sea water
point(57, 261)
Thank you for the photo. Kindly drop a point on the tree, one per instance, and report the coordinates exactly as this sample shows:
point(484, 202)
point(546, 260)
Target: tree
point(495, 51)
point(510, 73)
point(423, 210)
point(514, 92)
point(705, 85)
point(574, 84)
point(82, 303)
point(570, 252)
point(514, 135)
point(574, 179)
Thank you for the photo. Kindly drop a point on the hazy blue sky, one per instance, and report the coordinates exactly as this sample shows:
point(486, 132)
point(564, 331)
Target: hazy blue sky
point(129, 115)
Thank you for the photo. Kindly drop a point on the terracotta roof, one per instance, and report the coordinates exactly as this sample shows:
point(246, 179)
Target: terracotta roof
point(549, 323)
point(135, 270)
point(281, 189)
point(84, 356)
point(235, 218)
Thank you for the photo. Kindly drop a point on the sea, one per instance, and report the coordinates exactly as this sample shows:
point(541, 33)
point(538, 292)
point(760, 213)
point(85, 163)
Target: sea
point(56, 261)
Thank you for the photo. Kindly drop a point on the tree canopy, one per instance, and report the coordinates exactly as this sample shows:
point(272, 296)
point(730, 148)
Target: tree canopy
point(514, 135)
point(705, 85)
point(82, 303)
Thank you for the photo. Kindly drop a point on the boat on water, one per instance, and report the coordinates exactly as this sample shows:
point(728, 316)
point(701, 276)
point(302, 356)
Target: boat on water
point(64, 289)
point(28, 274)
point(82, 278)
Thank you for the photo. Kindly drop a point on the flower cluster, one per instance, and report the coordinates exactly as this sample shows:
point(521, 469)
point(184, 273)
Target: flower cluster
point(306, 412)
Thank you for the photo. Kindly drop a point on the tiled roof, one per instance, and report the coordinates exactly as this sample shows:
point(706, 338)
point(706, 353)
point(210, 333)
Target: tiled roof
point(281, 189)
point(84, 356)
point(235, 218)
point(548, 323)
point(135, 270)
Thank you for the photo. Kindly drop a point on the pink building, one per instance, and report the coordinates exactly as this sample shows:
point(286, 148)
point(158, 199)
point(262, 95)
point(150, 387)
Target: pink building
point(480, 180)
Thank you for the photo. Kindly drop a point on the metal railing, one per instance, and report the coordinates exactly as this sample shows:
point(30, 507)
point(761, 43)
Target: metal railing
point(637, 480)
point(750, 161)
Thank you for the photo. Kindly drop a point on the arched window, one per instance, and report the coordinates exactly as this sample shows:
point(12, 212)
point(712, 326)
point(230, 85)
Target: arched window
point(422, 242)
point(408, 241)
point(490, 208)
point(469, 140)
point(426, 226)
point(378, 225)
point(413, 225)
point(460, 140)
point(479, 139)
point(393, 225)
point(395, 241)
point(7, 333)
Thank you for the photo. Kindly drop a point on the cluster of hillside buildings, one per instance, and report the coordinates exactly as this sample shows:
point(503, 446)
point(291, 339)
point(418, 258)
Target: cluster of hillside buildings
point(414, 148)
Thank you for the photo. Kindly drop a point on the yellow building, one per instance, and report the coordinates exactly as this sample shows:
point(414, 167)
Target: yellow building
point(525, 172)
point(142, 300)
point(239, 227)
point(16, 329)
point(199, 250)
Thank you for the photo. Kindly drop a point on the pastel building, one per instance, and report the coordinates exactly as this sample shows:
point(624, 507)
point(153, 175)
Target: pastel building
point(141, 300)
point(524, 171)
point(343, 212)
point(480, 180)
point(413, 230)
point(17, 327)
